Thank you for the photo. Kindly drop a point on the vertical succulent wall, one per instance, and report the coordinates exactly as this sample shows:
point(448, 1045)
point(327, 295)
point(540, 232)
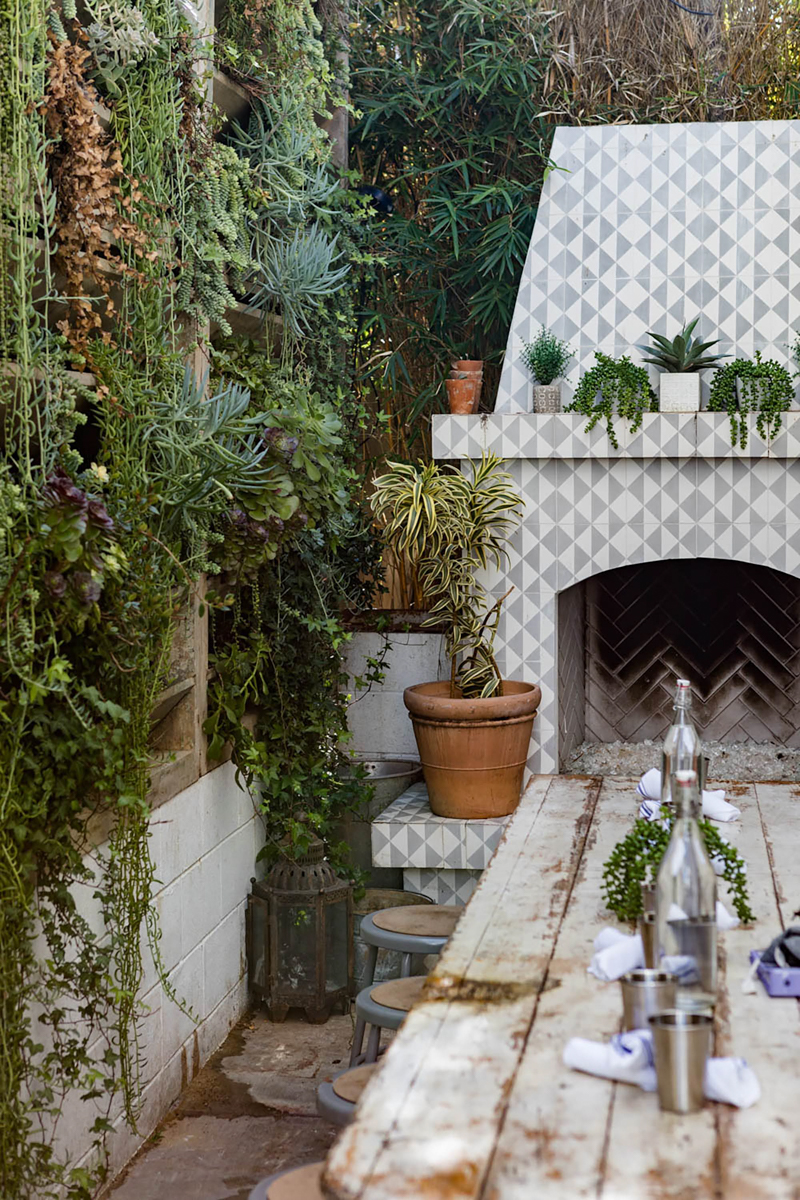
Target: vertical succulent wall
point(135, 229)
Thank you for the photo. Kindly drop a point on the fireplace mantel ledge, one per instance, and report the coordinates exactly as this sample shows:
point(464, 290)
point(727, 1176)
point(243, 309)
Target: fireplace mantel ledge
point(662, 435)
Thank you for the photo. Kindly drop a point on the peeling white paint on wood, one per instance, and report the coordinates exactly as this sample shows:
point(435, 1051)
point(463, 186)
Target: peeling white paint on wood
point(473, 1102)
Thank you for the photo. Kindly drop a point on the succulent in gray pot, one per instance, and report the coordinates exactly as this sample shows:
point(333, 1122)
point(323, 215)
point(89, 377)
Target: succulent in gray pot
point(546, 358)
point(680, 361)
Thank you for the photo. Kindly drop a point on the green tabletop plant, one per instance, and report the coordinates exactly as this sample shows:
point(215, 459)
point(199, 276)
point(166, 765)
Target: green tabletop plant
point(641, 851)
point(683, 354)
point(614, 386)
point(754, 385)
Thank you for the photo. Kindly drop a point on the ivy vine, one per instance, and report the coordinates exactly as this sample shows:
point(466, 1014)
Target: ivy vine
point(744, 386)
point(639, 855)
point(614, 387)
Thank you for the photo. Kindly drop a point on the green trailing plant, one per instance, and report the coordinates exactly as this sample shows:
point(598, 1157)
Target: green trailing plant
point(451, 526)
point(546, 357)
point(683, 353)
point(639, 854)
point(752, 386)
point(614, 387)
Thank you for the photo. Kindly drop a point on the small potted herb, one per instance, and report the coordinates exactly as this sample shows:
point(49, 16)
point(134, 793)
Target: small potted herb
point(680, 361)
point(546, 358)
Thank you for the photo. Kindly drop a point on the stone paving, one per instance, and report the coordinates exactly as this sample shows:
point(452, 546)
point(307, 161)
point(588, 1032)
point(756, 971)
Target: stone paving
point(249, 1112)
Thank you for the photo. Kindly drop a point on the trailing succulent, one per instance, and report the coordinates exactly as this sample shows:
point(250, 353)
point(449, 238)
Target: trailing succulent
point(614, 387)
point(546, 357)
point(744, 386)
point(683, 353)
point(638, 856)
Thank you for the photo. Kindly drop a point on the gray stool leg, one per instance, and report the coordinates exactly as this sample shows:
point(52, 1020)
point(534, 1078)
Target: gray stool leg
point(373, 1042)
point(372, 962)
point(358, 1040)
point(405, 969)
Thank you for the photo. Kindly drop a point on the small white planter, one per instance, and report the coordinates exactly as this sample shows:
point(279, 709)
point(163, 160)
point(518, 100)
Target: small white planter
point(679, 392)
point(547, 397)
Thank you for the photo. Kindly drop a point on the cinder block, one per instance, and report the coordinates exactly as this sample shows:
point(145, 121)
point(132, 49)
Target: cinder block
point(226, 806)
point(200, 901)
point(188, 982)
point(177, 838)
point(237, 867)
point(168, 910)
point(224, 959)
point(381, 726)
point(220, 1022)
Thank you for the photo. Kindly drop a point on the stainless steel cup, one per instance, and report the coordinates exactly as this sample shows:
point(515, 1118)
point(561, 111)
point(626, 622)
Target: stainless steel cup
point(697, 941)
point(646, 992)
point(682, 1042)
point(647, 932)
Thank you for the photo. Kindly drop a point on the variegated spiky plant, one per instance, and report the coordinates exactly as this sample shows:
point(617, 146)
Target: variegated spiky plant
point(451, 526)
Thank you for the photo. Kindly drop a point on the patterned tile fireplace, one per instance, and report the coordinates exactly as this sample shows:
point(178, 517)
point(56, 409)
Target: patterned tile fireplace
point(674, 492)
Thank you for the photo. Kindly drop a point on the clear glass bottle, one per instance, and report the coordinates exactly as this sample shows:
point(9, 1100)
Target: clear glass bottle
point(686, 903)
point(683, 750)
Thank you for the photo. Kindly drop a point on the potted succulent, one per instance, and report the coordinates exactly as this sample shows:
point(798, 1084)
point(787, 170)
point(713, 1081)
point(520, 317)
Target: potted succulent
point(757, 386)
point(472, 730)
point(546, 358)
point(614, 387)
point(680, 361)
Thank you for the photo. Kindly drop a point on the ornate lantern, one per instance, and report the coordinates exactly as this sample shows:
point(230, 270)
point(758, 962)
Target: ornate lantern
point(300, 937)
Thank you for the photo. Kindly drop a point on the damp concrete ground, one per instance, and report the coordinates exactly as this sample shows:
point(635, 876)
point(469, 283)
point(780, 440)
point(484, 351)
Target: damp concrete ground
point(251, 1111)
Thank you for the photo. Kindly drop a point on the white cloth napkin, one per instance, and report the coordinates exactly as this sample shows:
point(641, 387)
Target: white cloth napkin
point(614, 956)
point(715, 805)
point(616, 953)
point(629, 1058)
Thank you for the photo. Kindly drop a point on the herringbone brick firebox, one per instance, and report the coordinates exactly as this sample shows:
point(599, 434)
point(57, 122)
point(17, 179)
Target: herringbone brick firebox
point(732, 628)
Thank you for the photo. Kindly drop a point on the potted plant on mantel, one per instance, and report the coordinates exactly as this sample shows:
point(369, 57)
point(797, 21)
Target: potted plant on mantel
point(680, 361)
point(472, 731)
point(546, 358)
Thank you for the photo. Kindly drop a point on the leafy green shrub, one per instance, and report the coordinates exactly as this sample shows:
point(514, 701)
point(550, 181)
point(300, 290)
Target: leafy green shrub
point(746, 386)
point(614, 386)
point(683, 353)
point(546, 356)
point(641, 851)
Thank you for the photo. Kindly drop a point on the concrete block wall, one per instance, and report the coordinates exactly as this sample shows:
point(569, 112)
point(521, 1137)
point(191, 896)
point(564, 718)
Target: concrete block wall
point(378, 719)
point(204, 843)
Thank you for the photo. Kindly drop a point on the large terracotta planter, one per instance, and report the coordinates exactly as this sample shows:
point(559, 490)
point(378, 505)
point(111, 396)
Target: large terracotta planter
point(473, 752)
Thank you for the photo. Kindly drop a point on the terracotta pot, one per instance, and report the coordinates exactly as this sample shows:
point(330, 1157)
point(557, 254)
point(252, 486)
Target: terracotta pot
point(473, 752)
point(468, 364)
point(463, 395)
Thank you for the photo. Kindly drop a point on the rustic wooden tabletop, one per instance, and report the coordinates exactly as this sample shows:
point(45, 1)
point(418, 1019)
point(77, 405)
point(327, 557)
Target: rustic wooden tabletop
point(472, 1099)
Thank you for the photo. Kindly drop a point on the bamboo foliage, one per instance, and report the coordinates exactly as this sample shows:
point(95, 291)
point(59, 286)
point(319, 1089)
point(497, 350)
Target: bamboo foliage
point(451, 526)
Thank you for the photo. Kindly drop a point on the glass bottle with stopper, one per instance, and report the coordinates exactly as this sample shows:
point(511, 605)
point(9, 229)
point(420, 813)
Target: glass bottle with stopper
point(683, 750)
point(686, 902)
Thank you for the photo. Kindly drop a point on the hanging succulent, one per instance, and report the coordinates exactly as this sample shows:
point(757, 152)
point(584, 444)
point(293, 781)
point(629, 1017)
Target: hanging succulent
point(745, 386)
point(614, 386)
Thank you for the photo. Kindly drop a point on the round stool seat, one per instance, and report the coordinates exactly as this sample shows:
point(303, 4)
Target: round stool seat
point(299, 1183)
point(398, 994)
point(350, 1084)
point(336, 1101)
point(419, 920)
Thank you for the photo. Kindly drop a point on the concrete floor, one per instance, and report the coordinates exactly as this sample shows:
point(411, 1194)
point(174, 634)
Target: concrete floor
point(249, 1112)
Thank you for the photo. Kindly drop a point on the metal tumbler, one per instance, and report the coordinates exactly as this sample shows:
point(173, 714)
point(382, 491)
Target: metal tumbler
point(682, 1042)
point(647, 932)
point(646, 992)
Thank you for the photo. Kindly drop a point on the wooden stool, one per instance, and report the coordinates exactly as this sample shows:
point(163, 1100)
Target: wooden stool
point(337, 1101)
point(413, 929)
point(298, 1183)
point(382, 1006)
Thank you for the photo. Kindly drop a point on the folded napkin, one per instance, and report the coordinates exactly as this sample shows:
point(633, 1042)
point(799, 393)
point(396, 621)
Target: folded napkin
point(616, 953)
point(614, 956)
point(629, 1058)
point(715, 805)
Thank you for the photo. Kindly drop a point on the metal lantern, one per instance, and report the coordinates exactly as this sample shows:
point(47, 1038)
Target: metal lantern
point(300, 937)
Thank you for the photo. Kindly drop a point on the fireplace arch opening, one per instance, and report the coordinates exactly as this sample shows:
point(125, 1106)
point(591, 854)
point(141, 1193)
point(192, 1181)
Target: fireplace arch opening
point(732, 628)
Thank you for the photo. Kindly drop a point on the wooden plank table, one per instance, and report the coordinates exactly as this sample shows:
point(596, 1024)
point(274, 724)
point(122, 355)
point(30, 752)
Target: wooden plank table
point(472, 1101)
